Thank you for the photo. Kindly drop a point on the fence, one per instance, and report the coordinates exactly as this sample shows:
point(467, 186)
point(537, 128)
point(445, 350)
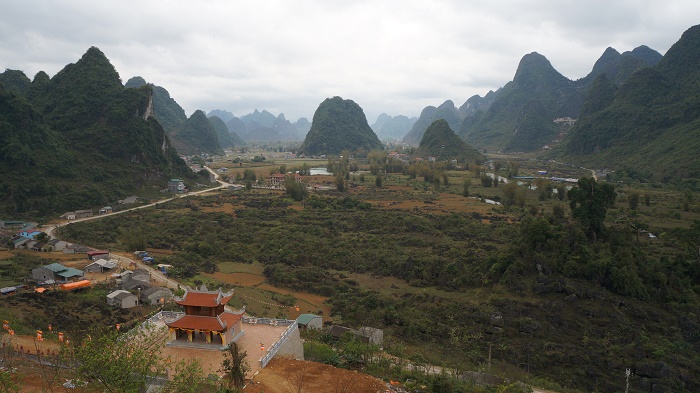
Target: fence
point(293, 326)
point(159, 317)
point(268, 321)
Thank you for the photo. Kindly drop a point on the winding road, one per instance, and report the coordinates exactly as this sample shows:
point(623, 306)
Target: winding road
point(158, 275)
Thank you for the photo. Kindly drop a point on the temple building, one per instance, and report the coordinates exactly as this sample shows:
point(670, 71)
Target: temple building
point(205, 320)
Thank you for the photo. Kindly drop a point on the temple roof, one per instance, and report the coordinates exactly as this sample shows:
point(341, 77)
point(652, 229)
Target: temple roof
point(204, 298)
point(218, 324)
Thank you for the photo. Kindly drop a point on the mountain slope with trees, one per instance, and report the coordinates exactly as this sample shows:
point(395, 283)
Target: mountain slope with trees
point(649, 123)
point(223, 134)
point(197, 135)
point(538, 95)
point(83, 140)
point(339, 125)
point(446, 111)
point(441, 142)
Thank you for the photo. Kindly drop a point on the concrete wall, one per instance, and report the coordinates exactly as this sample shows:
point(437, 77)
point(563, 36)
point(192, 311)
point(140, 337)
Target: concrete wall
point(293, 348)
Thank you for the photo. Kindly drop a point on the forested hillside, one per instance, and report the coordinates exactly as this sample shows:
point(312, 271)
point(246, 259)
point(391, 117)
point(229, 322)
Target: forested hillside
point(339, 125)
point(446, 111)
point(80, 139)
point(441, 142)
point(650, 123)
point(519, 117)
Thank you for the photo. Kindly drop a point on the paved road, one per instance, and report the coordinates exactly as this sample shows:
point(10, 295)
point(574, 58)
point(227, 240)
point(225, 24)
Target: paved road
point(49, 229)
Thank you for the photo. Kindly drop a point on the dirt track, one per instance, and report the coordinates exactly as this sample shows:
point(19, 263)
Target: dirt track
point(284, 376)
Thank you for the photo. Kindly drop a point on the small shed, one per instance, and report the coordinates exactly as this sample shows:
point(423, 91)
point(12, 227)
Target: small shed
point(337, 331)
point(371, 335)
point(310, 321)
point(122, 298)
point(57, 245)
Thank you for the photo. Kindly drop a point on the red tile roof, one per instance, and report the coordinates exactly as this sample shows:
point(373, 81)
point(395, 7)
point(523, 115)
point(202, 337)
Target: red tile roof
point(230, 318)
point(198, 322)
point(204, 298)
point(219, 324)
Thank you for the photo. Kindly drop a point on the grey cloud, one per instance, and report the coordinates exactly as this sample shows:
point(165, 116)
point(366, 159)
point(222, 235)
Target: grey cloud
point(390, 56)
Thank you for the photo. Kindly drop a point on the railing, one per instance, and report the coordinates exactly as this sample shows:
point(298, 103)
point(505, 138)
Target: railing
point(268, 321)
point(279, 343)
point(160, 317)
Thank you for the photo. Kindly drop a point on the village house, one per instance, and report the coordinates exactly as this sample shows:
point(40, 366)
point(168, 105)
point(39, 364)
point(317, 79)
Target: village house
point(83, 213)
point(205, 320)
point(94, 255)
point(277, 180)
point(176, 186)
point(139, 279)
point(29, 233)
point(57, 245)
point(19, 241)
point(40, 247)
point(156, 295)
point(106, 210)
point(310, 321)
point(75, 249)
point(56, 272)
point(101, 265)
point(68, 216)
point(123, 299)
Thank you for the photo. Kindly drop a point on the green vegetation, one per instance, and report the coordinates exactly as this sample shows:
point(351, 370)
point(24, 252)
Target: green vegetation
point(441, 142)
point(80, 140)
point(453, 283)
point(339, 125)
point(650, 122)
point(428, 116)
point(197, 135)
point(537, 95)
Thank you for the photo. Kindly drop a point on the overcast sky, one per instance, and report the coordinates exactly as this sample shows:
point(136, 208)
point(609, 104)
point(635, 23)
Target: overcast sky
point(287, 56)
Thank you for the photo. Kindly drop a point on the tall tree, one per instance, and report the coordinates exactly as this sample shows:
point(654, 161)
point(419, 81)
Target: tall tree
point(235, 365)
point(589, 202)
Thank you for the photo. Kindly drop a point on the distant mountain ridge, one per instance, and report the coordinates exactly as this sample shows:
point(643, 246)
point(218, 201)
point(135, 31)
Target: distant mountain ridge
point(395, 127)
point(263, 126)
point(520, 117)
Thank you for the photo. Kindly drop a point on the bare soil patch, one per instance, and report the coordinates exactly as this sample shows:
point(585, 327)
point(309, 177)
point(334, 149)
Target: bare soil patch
point(5, 255)
point(284, 376)
point(223, 208)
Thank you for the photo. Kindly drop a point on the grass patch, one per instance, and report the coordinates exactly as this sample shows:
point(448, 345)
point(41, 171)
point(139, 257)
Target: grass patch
point(237, 267)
